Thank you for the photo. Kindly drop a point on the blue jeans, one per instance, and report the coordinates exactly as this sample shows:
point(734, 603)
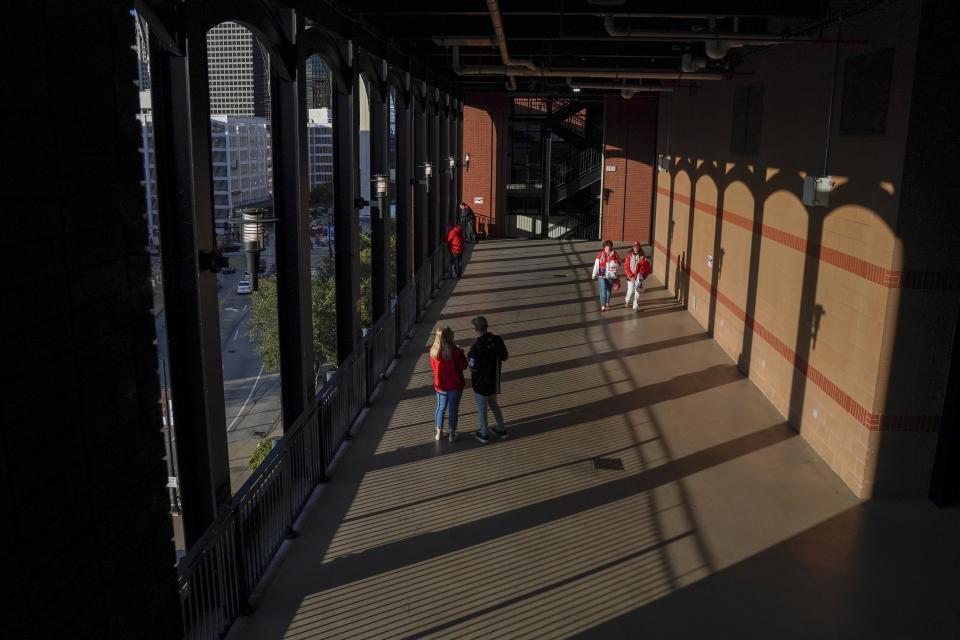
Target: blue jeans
point(482, 403)
point(445, 400)
point(606, 290)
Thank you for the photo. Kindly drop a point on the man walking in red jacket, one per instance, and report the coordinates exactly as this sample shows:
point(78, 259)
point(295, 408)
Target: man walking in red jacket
point(455, 246)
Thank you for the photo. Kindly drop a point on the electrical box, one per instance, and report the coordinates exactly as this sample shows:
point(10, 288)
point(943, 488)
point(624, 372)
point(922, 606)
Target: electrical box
point(816, 191)
point(663, 163)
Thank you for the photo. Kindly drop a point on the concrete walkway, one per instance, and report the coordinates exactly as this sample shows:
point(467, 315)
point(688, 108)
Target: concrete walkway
point(720, 522)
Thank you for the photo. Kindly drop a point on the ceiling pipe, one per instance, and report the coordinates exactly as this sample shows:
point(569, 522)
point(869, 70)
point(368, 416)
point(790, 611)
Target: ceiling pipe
point(497, 20)
point(467, 41)
point(574, 72)
point(622, 88)
point(740, 39)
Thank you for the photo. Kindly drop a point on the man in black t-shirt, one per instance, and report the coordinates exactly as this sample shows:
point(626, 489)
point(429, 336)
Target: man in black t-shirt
point(484, 360)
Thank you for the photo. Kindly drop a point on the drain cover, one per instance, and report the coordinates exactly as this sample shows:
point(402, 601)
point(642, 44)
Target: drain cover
point(615, 464)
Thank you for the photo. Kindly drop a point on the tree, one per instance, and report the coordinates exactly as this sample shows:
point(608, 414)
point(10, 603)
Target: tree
point(264, 328)
point(321, 195)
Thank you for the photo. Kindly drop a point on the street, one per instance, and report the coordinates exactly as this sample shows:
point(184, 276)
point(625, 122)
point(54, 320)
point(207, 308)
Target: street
point(251, 394)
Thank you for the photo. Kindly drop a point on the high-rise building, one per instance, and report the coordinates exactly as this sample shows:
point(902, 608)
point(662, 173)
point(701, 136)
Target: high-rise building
point(240, 154)
point(319, 147)
point(317, 83)
point(239, 71)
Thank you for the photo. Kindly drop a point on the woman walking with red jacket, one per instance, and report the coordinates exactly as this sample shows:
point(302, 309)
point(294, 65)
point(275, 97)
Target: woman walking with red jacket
point(606, 269)
point(448, 363)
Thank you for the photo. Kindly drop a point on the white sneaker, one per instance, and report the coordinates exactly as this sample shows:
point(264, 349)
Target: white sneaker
point(439, 433)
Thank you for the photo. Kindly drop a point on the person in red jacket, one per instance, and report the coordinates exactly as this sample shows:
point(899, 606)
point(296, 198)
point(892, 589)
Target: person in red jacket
point(455, 246)
point(448, 363)
point(637, 268)
point(606, 269)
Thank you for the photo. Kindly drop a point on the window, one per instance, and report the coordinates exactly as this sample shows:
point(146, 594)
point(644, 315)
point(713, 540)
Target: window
point(866, 93)
point(747, 118)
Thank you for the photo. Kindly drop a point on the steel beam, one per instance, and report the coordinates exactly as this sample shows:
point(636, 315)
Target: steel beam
point(346, 227)
point(443, 169)
point(435, 237)
point(379, 164)
point(181, 121)
point(421, 211)
point(404, 192)
point(291, 206)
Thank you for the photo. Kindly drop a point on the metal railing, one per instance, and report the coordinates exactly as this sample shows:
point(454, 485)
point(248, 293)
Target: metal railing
point(581, 164)
point(221, 570)
point(574, 226)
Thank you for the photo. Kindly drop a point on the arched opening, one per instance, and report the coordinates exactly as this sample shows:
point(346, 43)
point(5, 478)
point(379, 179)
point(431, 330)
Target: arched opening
point(364, 173)
point(241, 159)
point(320, 168)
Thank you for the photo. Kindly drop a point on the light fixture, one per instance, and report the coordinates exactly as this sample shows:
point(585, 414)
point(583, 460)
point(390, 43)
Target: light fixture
point(253, 223)
point(466, 161)
point(576, 89)
point(427, 174)
point(451, 166)
point(381, 183)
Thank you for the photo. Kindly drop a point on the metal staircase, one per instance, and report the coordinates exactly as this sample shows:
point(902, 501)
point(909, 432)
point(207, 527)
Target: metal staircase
point(576, 174)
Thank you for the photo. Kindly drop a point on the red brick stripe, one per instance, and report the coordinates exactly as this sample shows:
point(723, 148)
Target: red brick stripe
point(872, 421)
point(944, 281)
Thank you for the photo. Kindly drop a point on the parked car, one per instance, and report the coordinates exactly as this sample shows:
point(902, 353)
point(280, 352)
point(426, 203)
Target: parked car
point(228, 270)
point(244, 287)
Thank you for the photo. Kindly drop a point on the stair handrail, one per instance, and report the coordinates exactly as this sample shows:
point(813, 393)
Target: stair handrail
point(582, 163)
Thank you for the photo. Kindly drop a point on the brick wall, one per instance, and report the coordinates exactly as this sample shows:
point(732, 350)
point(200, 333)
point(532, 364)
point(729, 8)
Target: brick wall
point(630, 149)
point(484, 138)
point(806, 298)
point(86, 530)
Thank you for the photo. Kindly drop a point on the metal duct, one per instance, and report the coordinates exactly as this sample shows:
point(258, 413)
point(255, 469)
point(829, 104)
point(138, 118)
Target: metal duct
point(736, 39)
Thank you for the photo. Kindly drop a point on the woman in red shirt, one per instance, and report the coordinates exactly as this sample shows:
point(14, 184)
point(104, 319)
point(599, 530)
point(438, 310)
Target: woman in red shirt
point(448, 363)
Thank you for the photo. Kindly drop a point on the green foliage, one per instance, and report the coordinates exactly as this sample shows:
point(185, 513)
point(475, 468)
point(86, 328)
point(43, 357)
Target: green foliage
point(260, 453)
point(322, 195)
point(264, 328)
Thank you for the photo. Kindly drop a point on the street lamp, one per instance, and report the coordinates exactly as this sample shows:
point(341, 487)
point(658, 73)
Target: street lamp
point(253, 223)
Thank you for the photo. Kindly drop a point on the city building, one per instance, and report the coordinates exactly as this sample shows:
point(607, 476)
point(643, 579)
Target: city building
point(319, 147)
point(239, 72)
point(318, 84)
point(240, 155)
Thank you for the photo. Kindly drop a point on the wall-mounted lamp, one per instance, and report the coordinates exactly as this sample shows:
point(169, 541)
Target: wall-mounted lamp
point(253, 222)
point(381, 185)
point(427, 174)
point(381, 189)
point(466, 161)
point(576, 89)
point(451, 166)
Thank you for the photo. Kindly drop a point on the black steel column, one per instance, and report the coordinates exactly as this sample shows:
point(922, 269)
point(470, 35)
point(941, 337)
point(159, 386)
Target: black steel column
point(379, 164)
point(345, 224)
point(181, 124)
point(460, 153)
point(436, 235)
point(546, 180)
point(290, 201)
point(421, 212)
point(404, 191)
point(455, 153)
point(443, 174)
